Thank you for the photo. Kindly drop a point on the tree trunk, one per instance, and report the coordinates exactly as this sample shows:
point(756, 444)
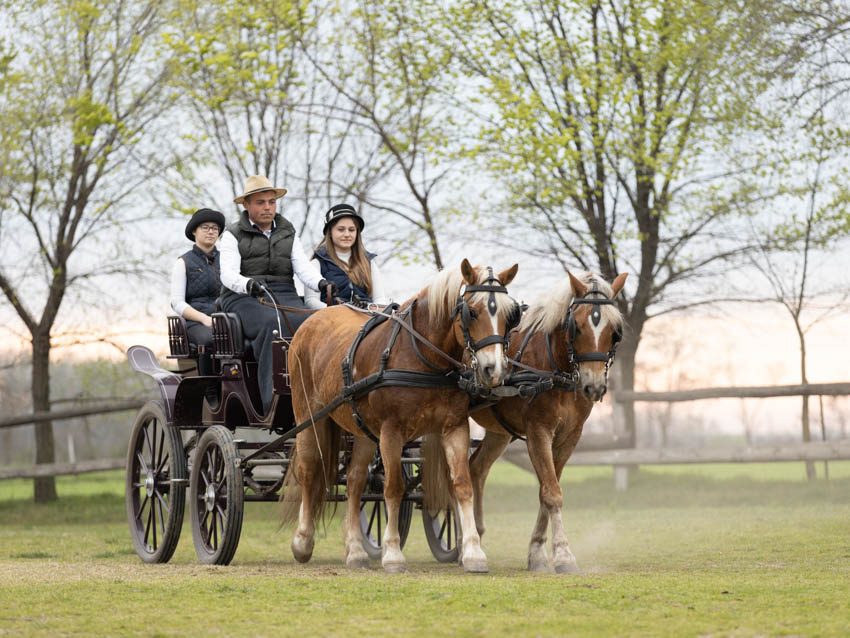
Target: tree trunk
point(807, 432)
point(45, 487)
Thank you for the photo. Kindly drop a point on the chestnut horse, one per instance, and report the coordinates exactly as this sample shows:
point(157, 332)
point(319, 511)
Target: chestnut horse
point(581, 324)
point(460, 318)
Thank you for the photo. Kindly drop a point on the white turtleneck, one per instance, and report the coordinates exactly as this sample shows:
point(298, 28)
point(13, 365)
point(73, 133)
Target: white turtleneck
point(312, 299)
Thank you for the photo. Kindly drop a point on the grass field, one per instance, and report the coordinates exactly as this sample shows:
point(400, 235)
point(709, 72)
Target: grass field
point(740, 550)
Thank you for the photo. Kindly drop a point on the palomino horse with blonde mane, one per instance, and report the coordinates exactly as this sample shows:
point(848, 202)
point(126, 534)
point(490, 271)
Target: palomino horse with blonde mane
point(466, 314)
point(565, 342)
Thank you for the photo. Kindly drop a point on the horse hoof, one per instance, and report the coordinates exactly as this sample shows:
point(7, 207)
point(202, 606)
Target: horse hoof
point(539, 567)
point(568, 568)
point(302, 553)
point(475, 566)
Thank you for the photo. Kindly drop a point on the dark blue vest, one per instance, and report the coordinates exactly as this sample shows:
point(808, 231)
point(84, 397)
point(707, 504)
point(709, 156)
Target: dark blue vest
point(203, 280)
point(332, 272)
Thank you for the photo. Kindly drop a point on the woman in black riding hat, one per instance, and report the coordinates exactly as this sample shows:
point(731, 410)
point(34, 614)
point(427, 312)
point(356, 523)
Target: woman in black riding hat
point(196, 280)
point(345, 262)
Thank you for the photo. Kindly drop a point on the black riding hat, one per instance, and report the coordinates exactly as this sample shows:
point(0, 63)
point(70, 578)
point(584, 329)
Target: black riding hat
point(338, 212)
point(204, 215)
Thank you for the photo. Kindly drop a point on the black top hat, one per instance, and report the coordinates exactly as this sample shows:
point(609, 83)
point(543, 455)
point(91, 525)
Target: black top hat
point(339, 211)
point(204, 215)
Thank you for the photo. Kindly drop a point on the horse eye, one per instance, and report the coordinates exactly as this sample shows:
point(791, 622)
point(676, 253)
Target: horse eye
point(473, 313)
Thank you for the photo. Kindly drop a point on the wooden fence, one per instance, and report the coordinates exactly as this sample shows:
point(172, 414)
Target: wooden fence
point(593, 450)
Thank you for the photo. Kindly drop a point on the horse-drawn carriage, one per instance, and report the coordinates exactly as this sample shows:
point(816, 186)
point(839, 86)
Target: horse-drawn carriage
point(349, 382)
point(182, 446)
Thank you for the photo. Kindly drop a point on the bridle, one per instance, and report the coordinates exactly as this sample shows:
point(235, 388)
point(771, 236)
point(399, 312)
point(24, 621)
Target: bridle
point(491, 285)
point(595, 298)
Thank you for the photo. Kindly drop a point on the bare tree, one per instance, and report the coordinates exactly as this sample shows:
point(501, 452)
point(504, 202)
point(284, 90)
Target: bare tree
point(77, 150)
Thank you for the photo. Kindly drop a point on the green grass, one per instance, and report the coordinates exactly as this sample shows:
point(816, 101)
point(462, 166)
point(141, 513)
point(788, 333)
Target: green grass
point(741, 550)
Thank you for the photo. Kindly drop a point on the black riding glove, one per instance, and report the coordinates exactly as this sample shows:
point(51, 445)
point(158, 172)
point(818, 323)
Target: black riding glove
point(323, 286)
point(253, 288)
point(357, 301)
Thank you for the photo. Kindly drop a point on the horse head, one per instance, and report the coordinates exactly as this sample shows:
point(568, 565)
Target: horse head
point(476, 300)
point(592, 328)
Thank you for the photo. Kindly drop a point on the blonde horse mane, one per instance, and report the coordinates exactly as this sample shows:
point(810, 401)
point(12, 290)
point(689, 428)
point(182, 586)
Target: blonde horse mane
point(550, 309)
point(442, 294)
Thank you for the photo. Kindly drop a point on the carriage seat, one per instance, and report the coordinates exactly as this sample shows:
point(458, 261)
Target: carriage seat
point(228, 338)
point(178, 339)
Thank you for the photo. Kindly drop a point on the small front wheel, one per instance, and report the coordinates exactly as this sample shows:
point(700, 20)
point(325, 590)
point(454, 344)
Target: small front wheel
point(217, 497)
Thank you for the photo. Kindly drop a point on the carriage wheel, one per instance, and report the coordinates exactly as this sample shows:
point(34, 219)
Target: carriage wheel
point(373, 514)
point(443, 534)
point(154, 489)
point(216, 497)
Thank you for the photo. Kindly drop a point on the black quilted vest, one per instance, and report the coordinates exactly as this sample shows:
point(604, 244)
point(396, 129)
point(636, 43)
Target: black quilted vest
point(332, 272)
point(203, 279)
point(264, 259)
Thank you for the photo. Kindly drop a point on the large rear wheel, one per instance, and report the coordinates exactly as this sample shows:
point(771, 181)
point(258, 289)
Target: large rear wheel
point(217, 497)
point(155, 486)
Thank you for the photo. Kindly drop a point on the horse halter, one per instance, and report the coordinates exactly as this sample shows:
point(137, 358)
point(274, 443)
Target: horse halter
point(595, 297)
point(467, 314)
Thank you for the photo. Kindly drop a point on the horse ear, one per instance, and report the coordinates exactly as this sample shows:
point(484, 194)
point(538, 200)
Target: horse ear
point(468, 272)
point(618, 284)
point(579, 289)
point(507, 276)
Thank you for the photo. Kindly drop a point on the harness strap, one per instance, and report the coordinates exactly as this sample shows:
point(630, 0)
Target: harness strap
point(504, 423)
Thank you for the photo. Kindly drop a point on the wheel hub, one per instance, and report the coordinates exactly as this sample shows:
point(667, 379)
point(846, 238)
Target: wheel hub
point(209, 496)
point(149, 484)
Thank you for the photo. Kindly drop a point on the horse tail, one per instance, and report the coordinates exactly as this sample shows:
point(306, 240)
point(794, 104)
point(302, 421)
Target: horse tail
point(435, 474)
point(324, 439)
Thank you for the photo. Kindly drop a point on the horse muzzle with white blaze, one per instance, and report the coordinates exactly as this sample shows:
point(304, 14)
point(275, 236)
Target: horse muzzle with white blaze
point(592, 379)
point(487, 355)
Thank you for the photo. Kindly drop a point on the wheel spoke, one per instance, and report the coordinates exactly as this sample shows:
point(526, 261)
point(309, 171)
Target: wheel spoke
point(142, 464)
point(204, 525)
point(162, 502)
point(214, 529)
point(141, 511)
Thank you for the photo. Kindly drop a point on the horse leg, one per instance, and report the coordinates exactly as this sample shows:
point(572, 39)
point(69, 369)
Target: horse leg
point(358, 467)
point(309, 472)
point(491, 448)
point(563, 559)
point(540, 453)
point(551, 502)
point(392, 560)
point(456, 447)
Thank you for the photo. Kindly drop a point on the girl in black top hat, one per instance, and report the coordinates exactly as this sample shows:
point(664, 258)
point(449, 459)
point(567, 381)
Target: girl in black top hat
point(345, 262)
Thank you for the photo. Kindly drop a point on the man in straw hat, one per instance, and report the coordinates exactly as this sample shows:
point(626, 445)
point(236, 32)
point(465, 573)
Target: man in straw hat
point(263, 249)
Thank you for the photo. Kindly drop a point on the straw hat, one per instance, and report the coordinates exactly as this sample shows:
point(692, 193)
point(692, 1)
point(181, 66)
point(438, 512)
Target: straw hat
point(258, 184)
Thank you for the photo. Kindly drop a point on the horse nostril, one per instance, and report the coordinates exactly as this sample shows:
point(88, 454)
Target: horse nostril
point(488, 371)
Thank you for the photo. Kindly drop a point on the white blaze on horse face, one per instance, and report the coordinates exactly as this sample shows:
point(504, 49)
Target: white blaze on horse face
point(493, 356)
point(595, 374)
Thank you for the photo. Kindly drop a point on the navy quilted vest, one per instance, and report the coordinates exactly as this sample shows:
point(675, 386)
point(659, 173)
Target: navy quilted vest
point(332, 272)
point(203, 280)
